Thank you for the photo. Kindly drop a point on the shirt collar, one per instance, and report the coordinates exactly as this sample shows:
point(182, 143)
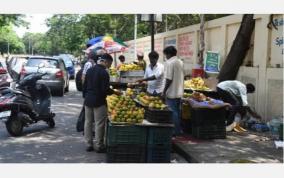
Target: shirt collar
point(173, 58)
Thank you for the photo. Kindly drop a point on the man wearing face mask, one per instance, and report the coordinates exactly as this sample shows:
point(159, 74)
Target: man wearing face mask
point(96, 88)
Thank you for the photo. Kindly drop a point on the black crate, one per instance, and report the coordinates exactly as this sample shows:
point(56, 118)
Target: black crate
point(206, 116)
point(159, 153)
point(159, 135)
point(209, 132)
point(126, 134)
point(186, 126)
point(158, 116)
point(126, 154)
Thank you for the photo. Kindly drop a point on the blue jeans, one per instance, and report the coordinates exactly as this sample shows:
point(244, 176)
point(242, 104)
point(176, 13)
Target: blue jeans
point(175, 106)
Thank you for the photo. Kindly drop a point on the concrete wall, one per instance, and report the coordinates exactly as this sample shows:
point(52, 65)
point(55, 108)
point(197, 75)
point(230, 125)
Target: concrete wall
point(265, 54)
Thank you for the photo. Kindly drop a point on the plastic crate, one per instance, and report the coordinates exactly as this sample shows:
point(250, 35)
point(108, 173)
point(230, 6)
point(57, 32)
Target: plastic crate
point(185, 111)
point(158, 116)
point(205, 116)
point(126, 154)
point(209, 132)
point(126, 134)
point(159, 153)
point(159, 135)
point(186, 126)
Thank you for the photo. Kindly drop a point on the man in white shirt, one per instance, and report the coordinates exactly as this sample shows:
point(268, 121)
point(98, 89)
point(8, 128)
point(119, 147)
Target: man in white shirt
point(235, 93)
point(154, 75)
point(92, 59)
point(173, 90)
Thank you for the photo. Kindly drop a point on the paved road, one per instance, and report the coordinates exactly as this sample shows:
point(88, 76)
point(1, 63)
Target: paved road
point(62, 144)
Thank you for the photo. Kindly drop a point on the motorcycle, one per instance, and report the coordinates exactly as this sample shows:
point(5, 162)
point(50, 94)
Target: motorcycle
point(26, 103)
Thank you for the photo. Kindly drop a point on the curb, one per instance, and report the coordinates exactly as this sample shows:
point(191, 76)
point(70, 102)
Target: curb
point(177, 147)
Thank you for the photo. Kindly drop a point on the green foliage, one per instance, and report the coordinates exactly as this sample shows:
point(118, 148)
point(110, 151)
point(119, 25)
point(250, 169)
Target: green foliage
point(15, 19)
point(9, 37)
point(68, 33)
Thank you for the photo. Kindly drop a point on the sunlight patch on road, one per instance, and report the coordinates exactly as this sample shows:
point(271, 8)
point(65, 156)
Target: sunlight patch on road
point(37, 139)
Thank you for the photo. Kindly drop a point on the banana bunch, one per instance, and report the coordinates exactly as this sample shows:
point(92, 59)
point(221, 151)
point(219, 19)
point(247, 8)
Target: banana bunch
point(195, 84)
point(130, 67)
point(113, 72)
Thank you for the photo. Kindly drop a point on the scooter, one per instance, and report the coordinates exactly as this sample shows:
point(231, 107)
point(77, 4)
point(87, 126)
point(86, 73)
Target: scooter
point(26, 103)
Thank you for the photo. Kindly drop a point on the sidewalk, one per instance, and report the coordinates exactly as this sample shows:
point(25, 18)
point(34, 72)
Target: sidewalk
point(237, 146)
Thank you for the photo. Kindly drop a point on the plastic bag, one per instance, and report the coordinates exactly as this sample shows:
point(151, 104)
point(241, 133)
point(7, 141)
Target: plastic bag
point(81, 121)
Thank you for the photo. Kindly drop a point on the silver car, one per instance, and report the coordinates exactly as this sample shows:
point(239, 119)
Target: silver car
point(5, 78)
point(57, 78)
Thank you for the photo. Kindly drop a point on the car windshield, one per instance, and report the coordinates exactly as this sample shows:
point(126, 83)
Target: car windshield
point(67, 61)
point(48, 63)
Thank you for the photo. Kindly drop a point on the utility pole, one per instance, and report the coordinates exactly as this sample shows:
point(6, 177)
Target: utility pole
point(8, 48)
point(166, 22)
point(29, 45)
point(115, 20)
point(152, 31)
point(135, 35)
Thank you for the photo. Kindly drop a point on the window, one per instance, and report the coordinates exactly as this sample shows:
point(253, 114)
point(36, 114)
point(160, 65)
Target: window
point(48, 63)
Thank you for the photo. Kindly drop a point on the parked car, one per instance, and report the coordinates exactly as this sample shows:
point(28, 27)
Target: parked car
point(5, 78)
point(15, 65)
point(57, 78)
point(68, 60)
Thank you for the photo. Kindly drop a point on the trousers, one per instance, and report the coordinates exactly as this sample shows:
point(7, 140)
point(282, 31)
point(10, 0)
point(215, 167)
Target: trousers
point(99, 115)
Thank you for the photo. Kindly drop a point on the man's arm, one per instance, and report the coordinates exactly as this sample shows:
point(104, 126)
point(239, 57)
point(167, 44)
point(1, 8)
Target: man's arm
point(84, 87)
point(252, 113)
point(147, 79)
point(169, 78)
point(87, 66)
point(168, 84)
point(105, 87)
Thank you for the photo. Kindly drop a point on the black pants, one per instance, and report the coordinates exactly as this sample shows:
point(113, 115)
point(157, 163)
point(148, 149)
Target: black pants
point(235, 101)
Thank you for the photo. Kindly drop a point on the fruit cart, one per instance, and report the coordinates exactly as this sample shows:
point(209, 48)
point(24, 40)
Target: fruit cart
point(198, 84)
point(131, 138)
point(208, 117)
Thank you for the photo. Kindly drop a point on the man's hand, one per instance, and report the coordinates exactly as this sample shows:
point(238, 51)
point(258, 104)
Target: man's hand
point(140, 81)
point(117, 92)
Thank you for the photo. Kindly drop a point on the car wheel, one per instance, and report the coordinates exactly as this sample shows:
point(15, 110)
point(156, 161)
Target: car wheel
point(14, 126)
point(51, 123)
point(61, 92)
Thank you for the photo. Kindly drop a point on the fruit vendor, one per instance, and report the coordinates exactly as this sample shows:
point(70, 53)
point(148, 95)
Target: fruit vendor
point(235, 93)
point(141, 62)
point(122, 61)
point(95, 89)
point(173, 90)
point(154, 75)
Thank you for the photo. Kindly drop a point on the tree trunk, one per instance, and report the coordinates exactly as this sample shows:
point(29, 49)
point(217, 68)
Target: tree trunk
point(238, 50)
point(202, 43)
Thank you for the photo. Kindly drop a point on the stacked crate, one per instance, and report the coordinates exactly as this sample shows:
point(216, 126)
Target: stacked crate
point(158, 116)
point(208, 123)
point(159, 144)
point(126, 143)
